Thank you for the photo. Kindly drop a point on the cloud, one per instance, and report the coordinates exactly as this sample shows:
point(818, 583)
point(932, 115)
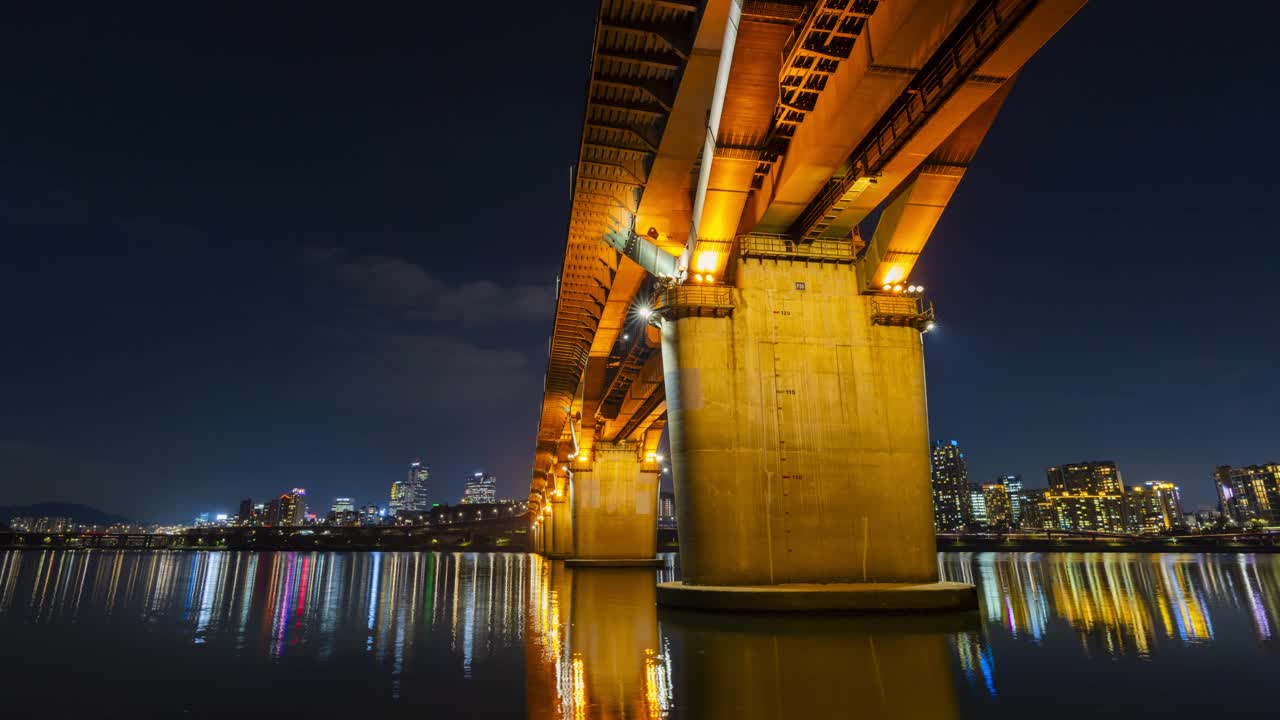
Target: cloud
point(398, 285)
point(436, 373)
point(406, 341)
point(485, 303)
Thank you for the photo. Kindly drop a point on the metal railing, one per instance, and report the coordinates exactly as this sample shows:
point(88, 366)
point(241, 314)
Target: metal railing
point(695, 300)
point(761, 245)
point(901, 311)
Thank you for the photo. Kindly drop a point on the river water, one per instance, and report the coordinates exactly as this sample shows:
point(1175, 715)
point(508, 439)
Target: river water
point(162, 634)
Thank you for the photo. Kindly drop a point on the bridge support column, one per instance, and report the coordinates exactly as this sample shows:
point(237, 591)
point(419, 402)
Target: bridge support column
point(615, 506)
point(560, 539)
point(542, 530)
point(800, 446)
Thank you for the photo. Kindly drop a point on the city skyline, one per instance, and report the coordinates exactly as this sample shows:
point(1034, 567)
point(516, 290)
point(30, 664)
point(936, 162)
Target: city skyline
point(259, 319)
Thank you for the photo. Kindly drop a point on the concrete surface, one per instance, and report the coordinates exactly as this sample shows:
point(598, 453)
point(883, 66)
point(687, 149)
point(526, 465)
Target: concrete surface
point(803, 597)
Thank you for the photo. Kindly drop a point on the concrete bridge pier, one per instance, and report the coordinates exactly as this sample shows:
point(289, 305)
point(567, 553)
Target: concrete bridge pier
point(799, 443)
point(560, 538)
point(535, 537)
point(615, 505)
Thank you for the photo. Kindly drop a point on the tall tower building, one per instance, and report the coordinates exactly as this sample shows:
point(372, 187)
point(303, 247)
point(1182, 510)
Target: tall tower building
point(480, 488)
point(977, 505)
point(1154, 507)
point(396, 503)
point(1248, 493)
point(245, 516)
point(998, 503)
point(410, 494)
point(1013, 483)
point(416, 487)
point(951, 498)
point(291, 509)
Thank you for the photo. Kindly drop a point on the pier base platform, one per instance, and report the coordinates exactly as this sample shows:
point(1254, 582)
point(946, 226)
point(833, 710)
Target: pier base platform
point(613, 562)
point(803, 597)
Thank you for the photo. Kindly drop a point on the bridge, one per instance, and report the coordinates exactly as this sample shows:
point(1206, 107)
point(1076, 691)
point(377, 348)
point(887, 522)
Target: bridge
point(754, 184)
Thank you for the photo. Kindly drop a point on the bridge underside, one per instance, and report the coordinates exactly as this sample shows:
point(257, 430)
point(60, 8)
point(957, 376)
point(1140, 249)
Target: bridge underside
point(717, 286)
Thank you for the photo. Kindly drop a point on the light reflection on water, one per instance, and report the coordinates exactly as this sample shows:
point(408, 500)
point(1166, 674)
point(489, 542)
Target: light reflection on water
point(507, 635)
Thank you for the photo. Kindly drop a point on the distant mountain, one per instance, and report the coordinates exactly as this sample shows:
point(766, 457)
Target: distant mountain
point(77, 512)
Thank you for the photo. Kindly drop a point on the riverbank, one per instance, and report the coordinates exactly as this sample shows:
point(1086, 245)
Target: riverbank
point(1155, 544)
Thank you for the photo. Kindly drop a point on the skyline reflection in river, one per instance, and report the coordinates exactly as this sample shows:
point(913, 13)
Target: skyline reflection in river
point(509, 635)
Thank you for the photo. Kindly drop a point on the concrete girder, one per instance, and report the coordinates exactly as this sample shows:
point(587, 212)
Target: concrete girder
point(913, 211)
point(666, 204)
point(894, 43)
point(642, 397)
point(664, 96)
point(629, 130)
point(957, 80)
point(750, 93)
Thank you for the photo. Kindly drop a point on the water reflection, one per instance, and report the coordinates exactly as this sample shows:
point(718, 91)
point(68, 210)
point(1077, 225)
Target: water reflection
point(594, 649)
point(501, 635)
point(741, 666)
point(276, 604)
point(1117, 603)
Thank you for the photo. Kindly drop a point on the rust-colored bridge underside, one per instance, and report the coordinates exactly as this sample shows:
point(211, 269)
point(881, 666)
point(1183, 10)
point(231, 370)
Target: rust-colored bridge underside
point(711, 124)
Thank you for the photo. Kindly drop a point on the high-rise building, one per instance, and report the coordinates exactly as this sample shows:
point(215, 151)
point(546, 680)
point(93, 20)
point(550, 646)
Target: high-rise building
point(370, 515)
point(290, 510)
point(1087, 496)
point(396, 503)
point(245, 516)
point(342, 513)
point(977, 505)
point(951, 495)
point(481, 488)
point(1037, 510)
point(1013, 483)
point(998, 503)
point(1153, 507)
point(1095, 477)
point(410, 494)
point(1249, 493)
point(666, 509)
point(1088, 513)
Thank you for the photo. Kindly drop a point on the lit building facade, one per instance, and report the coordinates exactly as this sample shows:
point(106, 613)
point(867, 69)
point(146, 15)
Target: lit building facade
point(998, 505)
point(396, 503)
point(246, 515)
point(1096, 477)
point(1153, 507)
point(977, 505)
point(952, 508)
point(1249, 493)
point(290, 509)
point(1037, 510)
point(410, 494)
point(1087, 513)
point(666, 510)
point(1086, 496)
point(1013, 484)
point(481, 488)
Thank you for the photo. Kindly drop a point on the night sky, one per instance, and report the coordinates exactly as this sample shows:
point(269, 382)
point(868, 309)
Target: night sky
point(252, 246)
